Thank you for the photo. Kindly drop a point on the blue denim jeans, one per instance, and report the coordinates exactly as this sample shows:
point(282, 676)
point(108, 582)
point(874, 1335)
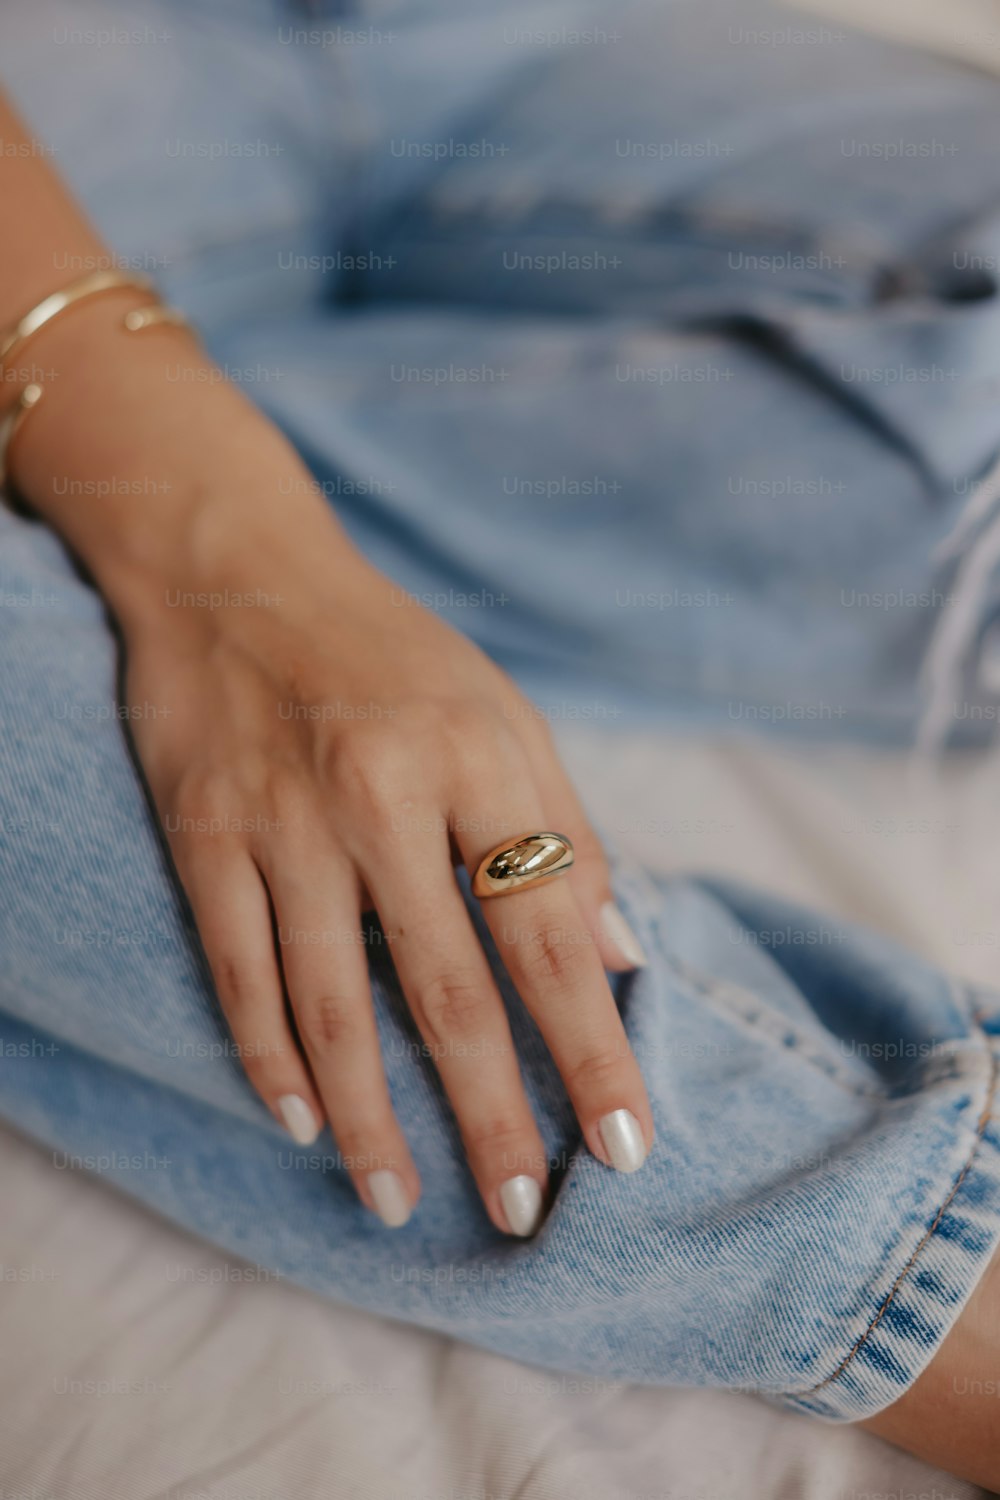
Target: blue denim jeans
point(618, 289)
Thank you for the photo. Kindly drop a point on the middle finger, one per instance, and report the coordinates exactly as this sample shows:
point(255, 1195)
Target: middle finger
point(458, 1010)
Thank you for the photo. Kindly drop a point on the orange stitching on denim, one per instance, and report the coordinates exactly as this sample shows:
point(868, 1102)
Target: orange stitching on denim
point(984, 1120)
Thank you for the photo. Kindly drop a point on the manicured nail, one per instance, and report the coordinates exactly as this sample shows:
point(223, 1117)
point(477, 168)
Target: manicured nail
point(389, 1197)
point(617, 931)
point(521, 1198)
point(300, 1122)
point(622, 1140)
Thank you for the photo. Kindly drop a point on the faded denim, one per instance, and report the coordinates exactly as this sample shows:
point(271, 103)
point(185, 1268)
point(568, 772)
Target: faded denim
point(825, 1188)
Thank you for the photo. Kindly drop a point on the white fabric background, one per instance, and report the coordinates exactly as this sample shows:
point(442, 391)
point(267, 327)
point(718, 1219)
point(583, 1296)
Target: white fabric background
point(967, 29)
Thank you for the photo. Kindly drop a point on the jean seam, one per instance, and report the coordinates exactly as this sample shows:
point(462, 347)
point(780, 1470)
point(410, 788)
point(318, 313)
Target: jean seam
point(985, 1115)
point(733, 997)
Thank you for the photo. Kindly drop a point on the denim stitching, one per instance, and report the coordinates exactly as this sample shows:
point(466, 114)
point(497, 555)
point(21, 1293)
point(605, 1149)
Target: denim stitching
point(736, 1000)
point(985, 1116)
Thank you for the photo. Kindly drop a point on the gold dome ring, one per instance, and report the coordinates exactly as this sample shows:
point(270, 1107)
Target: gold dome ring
point(512, 867)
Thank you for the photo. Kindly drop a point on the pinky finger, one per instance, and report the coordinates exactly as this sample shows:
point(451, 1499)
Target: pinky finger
point(233, 914)
point(617, 944)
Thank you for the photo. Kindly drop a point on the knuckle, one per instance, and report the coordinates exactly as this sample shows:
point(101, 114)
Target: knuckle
point(464, 719)
point(551, 954)
point(200, 806)
point(331, 1021)
point(451, 1006)
point(500, 1136)
point(476, 736)
point(595, 1073)
point(212, 804)
point(257, 1031)
point(234, 986)
point(204, 786)
point(282, 787)
point(366, 763)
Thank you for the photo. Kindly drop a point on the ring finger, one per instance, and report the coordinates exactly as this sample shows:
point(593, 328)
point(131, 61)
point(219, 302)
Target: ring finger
point(549, 952)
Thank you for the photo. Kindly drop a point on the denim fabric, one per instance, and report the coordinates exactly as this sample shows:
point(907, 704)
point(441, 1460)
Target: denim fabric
point(825, 1187)
point(742, 417)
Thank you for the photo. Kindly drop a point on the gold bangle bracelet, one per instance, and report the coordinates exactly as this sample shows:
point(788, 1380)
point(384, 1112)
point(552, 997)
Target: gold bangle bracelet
point(59, 302)
point(11, 421)
point(153, 315)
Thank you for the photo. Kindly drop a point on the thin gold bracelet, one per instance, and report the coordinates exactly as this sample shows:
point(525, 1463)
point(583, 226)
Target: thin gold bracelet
point(153, 315)
point(59, 302)
point(11, 421)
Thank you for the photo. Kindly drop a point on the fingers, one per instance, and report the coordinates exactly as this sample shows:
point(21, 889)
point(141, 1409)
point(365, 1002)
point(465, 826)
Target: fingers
point(324, 957)
point(323, 1061)
point(460, 1015)
point(233, 914)
point(617, 944)
point(550, 954)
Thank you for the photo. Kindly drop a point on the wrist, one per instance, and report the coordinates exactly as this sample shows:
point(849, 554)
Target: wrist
point(224, 548)
point(43, 352)
point(158, 473)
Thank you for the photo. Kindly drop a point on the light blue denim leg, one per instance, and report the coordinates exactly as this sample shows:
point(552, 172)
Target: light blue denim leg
point(211, 153)
point(638, 522)
point(711, 320)
point(725, 345)
point(825, 1187)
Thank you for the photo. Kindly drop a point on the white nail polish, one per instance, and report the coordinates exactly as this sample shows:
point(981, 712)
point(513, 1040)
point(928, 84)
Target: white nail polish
point(622, 1139)
point(389, 1197)
point(300, 1122)
point(521, 1199)
point(618, 932)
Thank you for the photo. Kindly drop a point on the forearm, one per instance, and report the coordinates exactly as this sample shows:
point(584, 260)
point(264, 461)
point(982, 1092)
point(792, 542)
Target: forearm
point(44, 230)
point(152, 468)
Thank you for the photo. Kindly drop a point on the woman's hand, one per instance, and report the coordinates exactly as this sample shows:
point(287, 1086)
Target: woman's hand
point(319, 745)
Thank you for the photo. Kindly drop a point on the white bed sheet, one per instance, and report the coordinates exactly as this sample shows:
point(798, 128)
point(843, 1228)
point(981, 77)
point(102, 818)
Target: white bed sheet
point(241, 1389)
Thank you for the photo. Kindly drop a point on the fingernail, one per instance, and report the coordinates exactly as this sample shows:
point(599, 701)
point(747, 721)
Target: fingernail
point(521, 1198)
point(617, 931)
point(300, 1122)
point(622, 1140)
point(389, 1197)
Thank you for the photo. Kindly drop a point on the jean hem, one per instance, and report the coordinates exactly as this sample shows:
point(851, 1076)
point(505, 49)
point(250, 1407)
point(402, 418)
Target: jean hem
point(931, 1288)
